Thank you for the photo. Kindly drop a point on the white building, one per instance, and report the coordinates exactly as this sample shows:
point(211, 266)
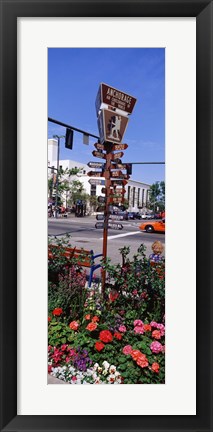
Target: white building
point(137, 193)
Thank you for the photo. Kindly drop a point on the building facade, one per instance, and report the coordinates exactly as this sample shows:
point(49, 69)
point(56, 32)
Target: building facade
point(137, 193)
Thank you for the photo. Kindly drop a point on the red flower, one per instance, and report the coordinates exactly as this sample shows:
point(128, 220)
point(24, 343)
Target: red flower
point(156, 334)
point(155, 367)
point(74, 325)
point(99, 346)
point(87, 317)
point(147, 327)
point(95, 319)
point(57, 311)
point(118, 335)
point(106, 336)
point(91, 326)
point(49, 319)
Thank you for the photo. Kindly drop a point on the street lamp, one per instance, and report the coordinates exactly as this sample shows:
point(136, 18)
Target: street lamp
point(58, 153)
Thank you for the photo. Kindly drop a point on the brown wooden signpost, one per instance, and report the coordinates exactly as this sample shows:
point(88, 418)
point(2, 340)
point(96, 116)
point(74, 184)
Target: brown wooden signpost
point(112, 107)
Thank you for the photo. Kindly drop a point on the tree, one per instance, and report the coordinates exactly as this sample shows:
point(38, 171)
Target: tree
point(157, 196)
point(64, 184)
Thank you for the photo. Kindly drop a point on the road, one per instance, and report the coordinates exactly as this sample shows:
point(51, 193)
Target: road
point(84, 234)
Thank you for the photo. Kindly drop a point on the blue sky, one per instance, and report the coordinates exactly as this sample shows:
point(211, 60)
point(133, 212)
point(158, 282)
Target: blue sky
point(74, 75)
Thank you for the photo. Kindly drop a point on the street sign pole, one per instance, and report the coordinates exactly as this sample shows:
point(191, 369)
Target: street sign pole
point(108, 147)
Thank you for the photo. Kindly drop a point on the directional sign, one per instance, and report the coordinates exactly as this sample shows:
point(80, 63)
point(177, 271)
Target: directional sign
point(119, 166)
point(117, 161)
point(116, 217)
point(99, 225)
point(116, 200)
point(96, 182)
point(114, 225)
point(100, 217)
point(115, 98)
point(120, 176)
point(99, 154)
point(119, 147)
point(111, 126)
point(99, 146)
point(117, 155)
point(118, 182)
point(101, 199)
point(95, 174)
point(96, 165)
point(116, 174)
point(118, 192)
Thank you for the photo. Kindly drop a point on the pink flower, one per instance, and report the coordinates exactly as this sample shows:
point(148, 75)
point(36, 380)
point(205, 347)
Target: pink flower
point(138, 323)
point(127, 349)
point(156, 347)
point(154, 324)
point(139, 329)
point(122, 329)
point(74, 378)
point(161, 328)
point(134, 292)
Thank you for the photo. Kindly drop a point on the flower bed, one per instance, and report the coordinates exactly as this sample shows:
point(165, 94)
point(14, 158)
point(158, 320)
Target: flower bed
point(113, 338)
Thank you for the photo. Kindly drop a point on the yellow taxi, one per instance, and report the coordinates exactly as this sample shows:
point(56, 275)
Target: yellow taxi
point(155, 226)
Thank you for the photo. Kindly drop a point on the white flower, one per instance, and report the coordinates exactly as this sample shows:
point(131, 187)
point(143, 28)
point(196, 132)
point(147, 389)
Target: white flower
point(105, 372)
point(112, 369)
point(99, 369)
point(106, 365)
point(96, 365)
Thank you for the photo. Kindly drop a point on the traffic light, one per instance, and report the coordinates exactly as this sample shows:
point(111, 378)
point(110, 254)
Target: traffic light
point(69, 139)
point(129, 168)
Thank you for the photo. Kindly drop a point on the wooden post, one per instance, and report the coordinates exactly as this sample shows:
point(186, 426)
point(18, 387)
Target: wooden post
point(108, 148)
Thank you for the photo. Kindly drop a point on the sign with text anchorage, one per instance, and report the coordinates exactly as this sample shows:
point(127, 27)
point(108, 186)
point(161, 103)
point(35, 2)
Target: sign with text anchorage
point(114, 98)
point(112, 126)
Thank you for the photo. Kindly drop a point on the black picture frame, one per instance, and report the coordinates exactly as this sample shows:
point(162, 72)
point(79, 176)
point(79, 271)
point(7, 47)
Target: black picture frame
point(10, 11)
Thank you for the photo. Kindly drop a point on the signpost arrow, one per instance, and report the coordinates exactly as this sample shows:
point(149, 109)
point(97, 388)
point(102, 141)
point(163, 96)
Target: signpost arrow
point(118, 192)
point(119, 166)
point(116, 200)
point(96, 165)
point(119, 182)
point(120, 176)
point(116, 217)
point(96, 181)
point(99, 146)
point(99, 225)
point(115, 225)
point(116, 174)
point(99, 154)
point(117, 155)
point(100, 217)
point(119, 147)
point(95, 174)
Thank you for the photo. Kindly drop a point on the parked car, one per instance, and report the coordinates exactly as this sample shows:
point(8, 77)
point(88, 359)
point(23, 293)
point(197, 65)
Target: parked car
point(134, 215)
point(156, 226)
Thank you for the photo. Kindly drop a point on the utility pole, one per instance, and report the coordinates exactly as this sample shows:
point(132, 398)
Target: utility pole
point(58, 155)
